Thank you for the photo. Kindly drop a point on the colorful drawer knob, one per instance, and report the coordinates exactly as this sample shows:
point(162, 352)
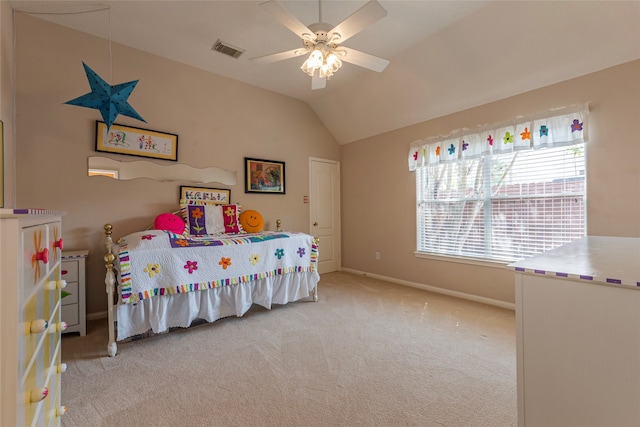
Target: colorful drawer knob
point(38, 326)
point(38, 394)
point(61, 410)
point(42, 255)
point(58, 327)
point(62, 368)
point(58, 244)
point(56, 284)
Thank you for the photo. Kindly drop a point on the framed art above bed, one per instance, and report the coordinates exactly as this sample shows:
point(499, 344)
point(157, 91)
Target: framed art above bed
point(216, 196)
point(136, 141)
point(263, 176)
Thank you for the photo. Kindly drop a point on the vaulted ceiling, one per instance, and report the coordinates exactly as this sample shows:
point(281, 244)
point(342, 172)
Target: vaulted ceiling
point(445, 56)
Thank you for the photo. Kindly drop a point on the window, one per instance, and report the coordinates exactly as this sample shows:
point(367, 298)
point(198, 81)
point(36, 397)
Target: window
point(511, 192)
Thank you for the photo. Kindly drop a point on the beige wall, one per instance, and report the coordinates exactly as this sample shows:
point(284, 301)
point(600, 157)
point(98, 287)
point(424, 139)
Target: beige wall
point(378, 191)
point(219, 121)
point(7, 172)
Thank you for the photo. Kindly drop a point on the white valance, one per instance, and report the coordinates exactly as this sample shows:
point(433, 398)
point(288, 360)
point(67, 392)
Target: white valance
point(565, 126)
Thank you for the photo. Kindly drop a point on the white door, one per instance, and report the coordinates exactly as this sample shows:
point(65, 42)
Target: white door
point(324, 208)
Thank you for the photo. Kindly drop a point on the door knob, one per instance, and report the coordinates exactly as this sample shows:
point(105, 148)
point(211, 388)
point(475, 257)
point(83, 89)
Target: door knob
point(315, 224)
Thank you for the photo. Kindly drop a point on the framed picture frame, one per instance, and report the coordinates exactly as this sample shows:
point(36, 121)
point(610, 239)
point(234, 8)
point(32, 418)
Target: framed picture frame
point(264, 176)
point(218, 196)
point(138, 142)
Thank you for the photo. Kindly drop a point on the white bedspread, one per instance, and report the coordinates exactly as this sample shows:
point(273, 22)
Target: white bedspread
point(156, 263)
point(168, 280)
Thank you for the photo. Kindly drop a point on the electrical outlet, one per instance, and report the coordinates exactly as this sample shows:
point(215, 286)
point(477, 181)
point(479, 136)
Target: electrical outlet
point(378, 256)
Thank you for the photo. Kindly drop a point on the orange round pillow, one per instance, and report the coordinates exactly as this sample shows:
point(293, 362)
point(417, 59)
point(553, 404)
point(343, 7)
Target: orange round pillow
point(251, 221)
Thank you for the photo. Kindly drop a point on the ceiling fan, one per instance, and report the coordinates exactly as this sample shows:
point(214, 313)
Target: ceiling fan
point(323, 42)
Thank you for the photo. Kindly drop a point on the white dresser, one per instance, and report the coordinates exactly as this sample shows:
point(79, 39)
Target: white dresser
point(74, 313)
point(30, 367)
point(578, 335)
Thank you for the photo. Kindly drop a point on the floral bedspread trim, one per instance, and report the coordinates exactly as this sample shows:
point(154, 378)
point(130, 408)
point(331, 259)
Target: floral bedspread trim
point(155, 263)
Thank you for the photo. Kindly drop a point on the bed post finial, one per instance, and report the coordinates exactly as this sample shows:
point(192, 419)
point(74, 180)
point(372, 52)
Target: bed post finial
point(278, 225)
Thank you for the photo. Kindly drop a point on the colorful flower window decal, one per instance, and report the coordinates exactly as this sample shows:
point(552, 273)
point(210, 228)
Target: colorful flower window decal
point(191, 266)
point(465, 145)
point(525, 134)
point(152, 269)
point(255, 258)
point(438, 150)
point(451, 149)
point(508, 138)
point(544, 131)
point(490, 140)
point(576, 126)
point(279, 253)
point(225, 263)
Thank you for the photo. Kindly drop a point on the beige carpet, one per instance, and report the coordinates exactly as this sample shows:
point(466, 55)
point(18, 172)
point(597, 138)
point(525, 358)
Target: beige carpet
point(369, 353)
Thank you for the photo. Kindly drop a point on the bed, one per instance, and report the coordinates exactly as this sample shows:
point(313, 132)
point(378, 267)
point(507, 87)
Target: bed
point(157, 280)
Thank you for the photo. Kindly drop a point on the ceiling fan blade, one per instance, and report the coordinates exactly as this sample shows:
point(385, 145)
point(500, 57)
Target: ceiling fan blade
point(359, 20)
point(318, 83)
point(287, 19)
point(267, 59)
point(362, 59)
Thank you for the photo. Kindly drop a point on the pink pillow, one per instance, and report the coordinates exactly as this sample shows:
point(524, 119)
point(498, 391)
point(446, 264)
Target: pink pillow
point(169, 222)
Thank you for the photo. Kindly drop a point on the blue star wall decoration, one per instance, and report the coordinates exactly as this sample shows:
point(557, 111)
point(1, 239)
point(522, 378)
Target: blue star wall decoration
point(110, 100)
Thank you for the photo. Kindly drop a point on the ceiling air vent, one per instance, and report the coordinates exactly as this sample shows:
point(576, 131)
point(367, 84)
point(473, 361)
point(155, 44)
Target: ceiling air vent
point(227, 49)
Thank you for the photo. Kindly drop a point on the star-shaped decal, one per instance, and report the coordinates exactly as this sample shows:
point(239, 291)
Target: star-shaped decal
point(110, 100)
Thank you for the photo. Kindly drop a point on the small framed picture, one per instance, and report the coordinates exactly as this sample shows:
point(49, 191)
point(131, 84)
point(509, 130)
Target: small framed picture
point(136, 142)
point(217, 196)
point(263, 176)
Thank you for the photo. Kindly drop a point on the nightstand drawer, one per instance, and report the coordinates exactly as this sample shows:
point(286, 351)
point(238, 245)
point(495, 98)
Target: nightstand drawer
point(73, 305)
point(70, 314)
point(69, 271)
point(71, 292)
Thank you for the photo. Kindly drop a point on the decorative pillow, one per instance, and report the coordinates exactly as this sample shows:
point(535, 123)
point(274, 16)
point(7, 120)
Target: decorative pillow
point(251, 221)
point(231, 214)
point(209, 218)
point(169, 222)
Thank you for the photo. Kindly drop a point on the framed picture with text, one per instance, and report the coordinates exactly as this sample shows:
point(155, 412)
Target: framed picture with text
point(217, 196)
point(136, 142)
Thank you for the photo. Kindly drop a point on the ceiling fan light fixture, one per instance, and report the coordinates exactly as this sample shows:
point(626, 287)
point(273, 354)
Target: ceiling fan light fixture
point(323, 41)
point(333, 62)
point(325, 63)
point(313, 62)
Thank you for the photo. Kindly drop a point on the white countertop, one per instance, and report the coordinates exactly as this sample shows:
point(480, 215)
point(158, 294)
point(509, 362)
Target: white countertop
point(597, 259)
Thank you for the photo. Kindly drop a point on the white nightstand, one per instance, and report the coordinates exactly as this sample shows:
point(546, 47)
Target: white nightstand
point(73, 305)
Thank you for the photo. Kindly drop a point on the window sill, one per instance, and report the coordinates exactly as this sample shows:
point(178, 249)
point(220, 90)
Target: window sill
point(463, 260)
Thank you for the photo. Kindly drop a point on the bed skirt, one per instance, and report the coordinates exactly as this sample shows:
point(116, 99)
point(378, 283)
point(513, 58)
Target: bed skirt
point(160, 313)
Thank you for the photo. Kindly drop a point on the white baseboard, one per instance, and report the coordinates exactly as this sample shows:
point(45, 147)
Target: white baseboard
point(457, 294)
